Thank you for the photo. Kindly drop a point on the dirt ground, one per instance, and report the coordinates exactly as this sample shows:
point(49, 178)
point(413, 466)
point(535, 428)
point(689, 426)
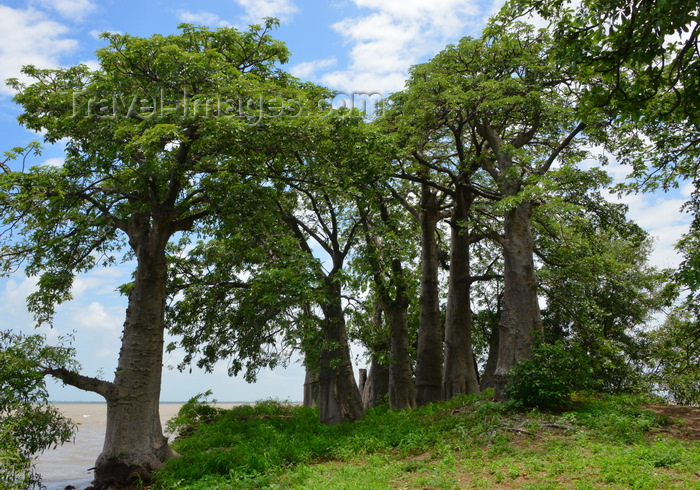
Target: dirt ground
point(684, 421)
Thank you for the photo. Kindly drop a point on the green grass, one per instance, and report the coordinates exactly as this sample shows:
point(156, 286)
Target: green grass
point(468, 442)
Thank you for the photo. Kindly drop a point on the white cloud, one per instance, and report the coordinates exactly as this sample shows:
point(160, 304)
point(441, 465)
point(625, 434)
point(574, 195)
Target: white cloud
point(653, 212)
point(101, 281)
point(13, 304)
point(365, 82)
point(308, 69)
point(397, 35)
point(13, 298)
point(74, 10)
point(446, 16)
point(258, 9)
point(54, 162)
point(665, 238)
point(91, 64)
point(660, 216)
point(107, 353)
point(96, 316)
point(30, 38)
point(200, 18)
point(687, 189)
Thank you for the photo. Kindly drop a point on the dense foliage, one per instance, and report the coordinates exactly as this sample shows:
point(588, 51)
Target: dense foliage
point(446, 235)
point(29, 424)
point(550, 377)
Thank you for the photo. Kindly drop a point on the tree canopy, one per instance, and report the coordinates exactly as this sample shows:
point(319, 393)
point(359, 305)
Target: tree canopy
point(456, 234)
point(148, 135)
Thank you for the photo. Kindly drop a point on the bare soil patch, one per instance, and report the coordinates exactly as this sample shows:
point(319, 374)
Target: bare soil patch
point(685, 420)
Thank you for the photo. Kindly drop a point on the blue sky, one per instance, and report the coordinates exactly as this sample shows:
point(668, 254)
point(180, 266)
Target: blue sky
point(349, 45)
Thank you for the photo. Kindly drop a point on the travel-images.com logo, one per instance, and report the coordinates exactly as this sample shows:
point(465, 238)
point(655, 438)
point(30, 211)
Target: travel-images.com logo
point(250, 109)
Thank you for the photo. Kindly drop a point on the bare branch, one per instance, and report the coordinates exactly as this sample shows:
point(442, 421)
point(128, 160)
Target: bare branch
point(86, 383)
point(557, 151)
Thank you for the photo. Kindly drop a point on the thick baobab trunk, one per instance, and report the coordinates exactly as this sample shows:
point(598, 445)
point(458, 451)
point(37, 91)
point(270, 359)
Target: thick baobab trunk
point(429, 351)
point(376, 388)
point(363, 382)
point(339, 396)
point(487, 380)
point(311, 388)
point(521, 312)
point(459, 373)
point(311, 370)
point(134, 444)
point(401, 390)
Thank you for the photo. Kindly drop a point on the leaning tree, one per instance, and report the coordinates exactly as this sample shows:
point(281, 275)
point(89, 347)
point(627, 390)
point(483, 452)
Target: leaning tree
point(146, 134)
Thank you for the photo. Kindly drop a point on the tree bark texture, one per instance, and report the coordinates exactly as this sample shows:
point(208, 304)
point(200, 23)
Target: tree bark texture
point(134, 444)
point(375, 391)
point(459, 375)
point(311, 388)
point(429, 351)
point(363, 381)
point(339, 396)
point(376, 388)
point(520, 316)
point(401, 390)
point(487, 380)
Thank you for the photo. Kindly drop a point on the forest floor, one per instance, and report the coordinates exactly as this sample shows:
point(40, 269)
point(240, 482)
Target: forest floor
point(469, 442)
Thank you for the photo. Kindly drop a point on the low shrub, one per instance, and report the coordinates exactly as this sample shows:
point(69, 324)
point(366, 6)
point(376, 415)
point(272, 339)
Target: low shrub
point(548, 379)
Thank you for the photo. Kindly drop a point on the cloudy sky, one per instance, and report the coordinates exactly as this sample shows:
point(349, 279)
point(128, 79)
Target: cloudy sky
point(358, 46)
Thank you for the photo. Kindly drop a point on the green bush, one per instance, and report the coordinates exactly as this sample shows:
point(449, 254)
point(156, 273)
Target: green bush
point(29, 424)
point(196, 411)
point(550, 376)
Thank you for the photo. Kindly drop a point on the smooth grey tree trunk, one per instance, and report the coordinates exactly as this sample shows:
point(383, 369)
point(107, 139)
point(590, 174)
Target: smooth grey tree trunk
point(401, 390)
point(459, 376)
point(521, 315)
point(429, 351)
point(487, 380)
point(134, 444)
point(311, 388)
point(363, 382)
point(376, 389)
point(339, 396)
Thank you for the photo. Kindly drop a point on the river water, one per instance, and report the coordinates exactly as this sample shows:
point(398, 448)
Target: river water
point(70, 464)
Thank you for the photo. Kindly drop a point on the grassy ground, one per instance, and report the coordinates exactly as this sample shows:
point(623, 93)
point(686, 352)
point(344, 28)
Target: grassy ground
point(468, 442)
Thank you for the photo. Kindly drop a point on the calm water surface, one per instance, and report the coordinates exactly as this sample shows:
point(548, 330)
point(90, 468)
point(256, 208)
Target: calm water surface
point(70, 464)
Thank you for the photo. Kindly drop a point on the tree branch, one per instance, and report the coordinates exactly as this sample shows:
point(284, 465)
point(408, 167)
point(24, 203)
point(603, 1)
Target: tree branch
point(86, 383)
point(485, 277)
point(185, 224)
point(423, 161)
point(557, 151)
point(404, 202)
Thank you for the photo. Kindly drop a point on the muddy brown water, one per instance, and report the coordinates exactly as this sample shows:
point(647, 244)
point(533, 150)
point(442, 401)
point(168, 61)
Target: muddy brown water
point(71, 463)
